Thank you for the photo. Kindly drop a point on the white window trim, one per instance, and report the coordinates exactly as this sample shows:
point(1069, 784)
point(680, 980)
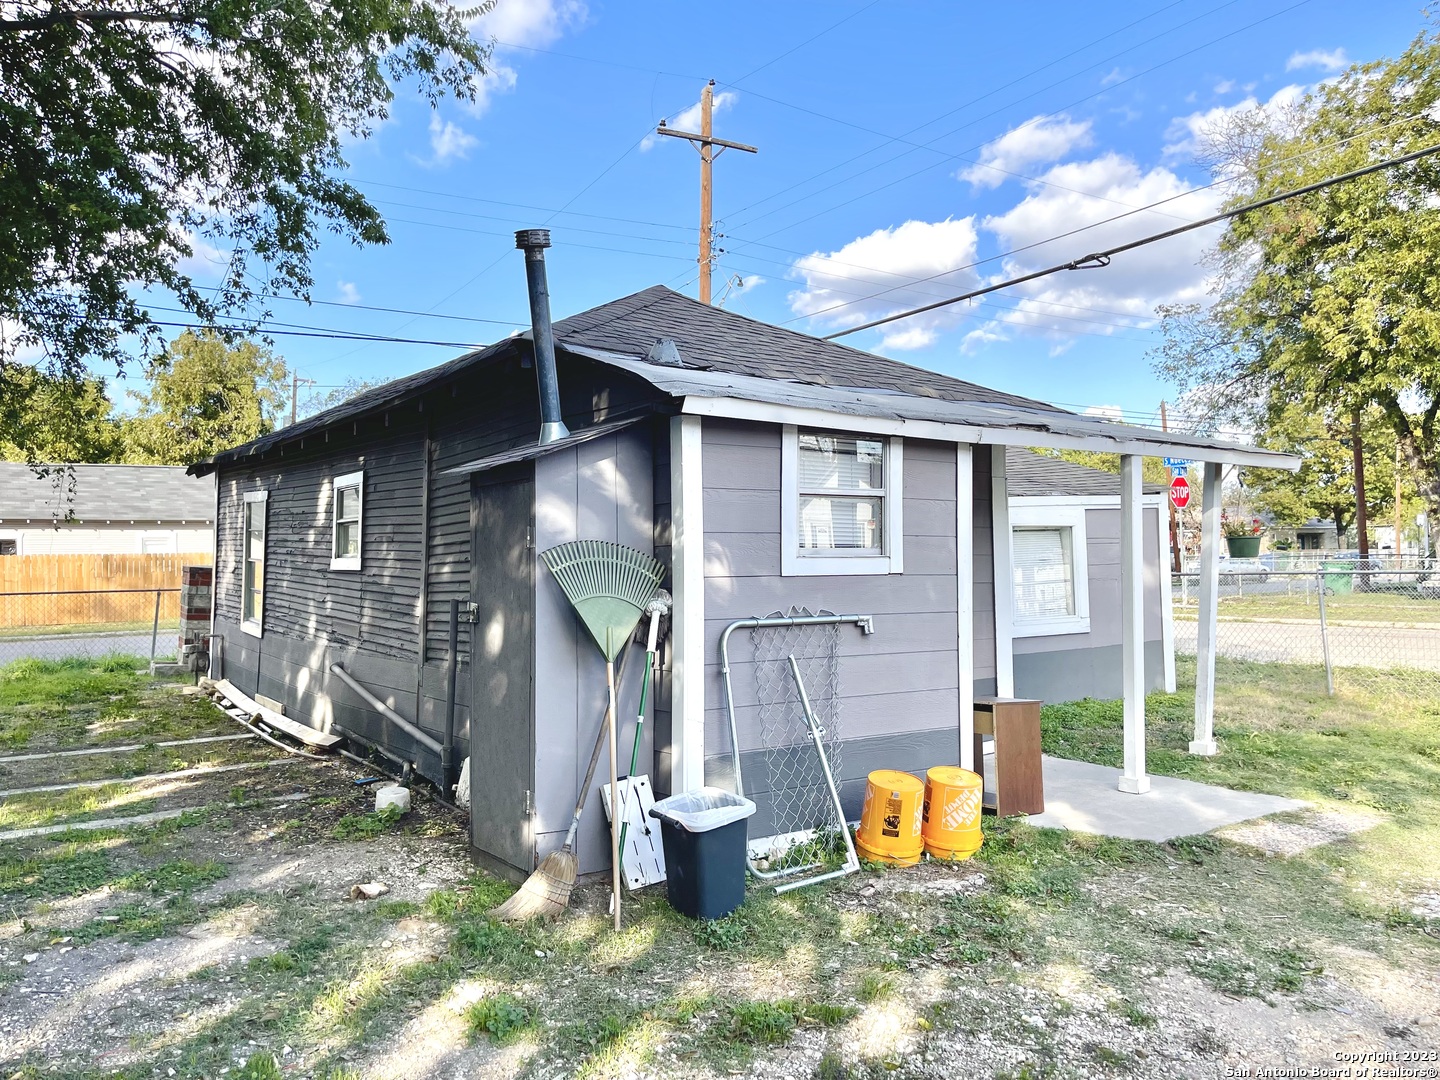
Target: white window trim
point(253, 627)
point(1056, 517)
point(346, 562)
point(795, 564)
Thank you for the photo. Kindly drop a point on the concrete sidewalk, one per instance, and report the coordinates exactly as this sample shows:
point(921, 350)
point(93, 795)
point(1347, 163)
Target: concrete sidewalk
point(1084, 798)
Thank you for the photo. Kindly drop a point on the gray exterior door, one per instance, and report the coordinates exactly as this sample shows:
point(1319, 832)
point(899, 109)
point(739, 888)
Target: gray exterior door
point(502, 728)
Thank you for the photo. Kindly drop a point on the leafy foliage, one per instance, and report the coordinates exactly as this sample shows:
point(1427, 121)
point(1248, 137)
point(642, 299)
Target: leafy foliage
point(205, 396)
point(1330, 300)
point(503, 1017)
point(143, 141)
point(48, 419)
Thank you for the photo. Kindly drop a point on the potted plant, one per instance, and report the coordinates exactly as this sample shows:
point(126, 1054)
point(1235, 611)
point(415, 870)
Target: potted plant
point(1242, 537)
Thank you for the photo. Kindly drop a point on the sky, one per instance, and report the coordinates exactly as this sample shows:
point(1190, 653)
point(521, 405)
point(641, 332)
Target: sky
point(908, 150)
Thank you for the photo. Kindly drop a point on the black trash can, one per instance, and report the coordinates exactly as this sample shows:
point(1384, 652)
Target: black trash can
point(704, 836)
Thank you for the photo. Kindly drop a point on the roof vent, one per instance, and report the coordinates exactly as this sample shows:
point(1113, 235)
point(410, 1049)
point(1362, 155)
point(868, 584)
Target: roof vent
point(665, 351)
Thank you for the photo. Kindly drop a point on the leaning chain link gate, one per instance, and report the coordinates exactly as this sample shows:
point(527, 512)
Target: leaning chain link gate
point(796, 743)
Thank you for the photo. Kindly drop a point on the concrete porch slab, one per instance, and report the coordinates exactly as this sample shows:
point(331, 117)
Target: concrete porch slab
point(1083, 797)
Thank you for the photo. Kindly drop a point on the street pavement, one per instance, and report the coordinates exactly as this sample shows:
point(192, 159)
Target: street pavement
point(1298, 642)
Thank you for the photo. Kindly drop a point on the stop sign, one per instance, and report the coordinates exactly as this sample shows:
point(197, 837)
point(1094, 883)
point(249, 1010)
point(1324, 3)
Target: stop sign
point(1180, 492)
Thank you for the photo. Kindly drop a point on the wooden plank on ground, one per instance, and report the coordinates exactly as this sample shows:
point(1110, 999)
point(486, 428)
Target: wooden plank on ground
point(272, 719)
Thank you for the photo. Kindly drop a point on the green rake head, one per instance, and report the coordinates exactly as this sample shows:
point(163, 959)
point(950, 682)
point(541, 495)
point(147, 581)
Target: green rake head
point(608, 585)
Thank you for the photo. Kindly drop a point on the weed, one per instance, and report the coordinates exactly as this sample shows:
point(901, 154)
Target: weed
point(832, 1067)
point(178, 876)
point(365, 826)
point(875, 986)
point(825, 1013)
point(395, 909)
point(721, 934)
point(503, 1017)
point(1134, 1015)
point(762, 1021)
point(261, 1066)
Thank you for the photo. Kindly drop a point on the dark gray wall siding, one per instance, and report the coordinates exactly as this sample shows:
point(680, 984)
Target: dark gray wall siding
point(983, 568)
point(1072, 674)
point(900, 682)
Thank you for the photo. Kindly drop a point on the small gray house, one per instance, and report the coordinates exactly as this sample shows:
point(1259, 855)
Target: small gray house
point(765, 468)
point(1065, 625)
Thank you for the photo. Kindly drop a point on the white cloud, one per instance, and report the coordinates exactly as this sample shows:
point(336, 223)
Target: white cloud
point(1111, 77)
point(1104, 300)
point(205, 259)
point(346, 292)
point(689, 119)
point(882, 260)
point(448, 141)
point(1037, 141)
point(1331, 60)
point(1224, 86)
point(515, 26)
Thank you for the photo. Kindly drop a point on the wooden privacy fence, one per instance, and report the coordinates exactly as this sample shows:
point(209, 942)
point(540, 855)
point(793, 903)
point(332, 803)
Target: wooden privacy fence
point(50, 591)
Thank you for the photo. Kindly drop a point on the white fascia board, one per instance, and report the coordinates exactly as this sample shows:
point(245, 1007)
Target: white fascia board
point(1132, 442)
point(1089, 502)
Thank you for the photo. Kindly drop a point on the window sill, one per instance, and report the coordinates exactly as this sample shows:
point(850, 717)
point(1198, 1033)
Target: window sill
point(1050, 627)
point(347, 563)
point(836, 565)
point(253, 629)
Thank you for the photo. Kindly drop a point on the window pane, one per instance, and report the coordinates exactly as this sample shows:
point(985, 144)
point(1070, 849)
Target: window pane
point(841, 523)
point(841, 462)
point(1043, 574)
point(349, 500)
point(347, 538)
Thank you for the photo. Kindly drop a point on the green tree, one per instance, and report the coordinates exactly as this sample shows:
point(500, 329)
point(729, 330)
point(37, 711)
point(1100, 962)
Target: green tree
point(338, 395)
point(1324, 486)
point(44, 419)
point(1152, 471)
point(137, 135)
point(205, 396)
point(1330, 300)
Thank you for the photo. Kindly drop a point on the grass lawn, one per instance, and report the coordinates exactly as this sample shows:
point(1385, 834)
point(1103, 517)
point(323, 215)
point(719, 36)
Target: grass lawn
point(1049, 955)
point(1400, 608)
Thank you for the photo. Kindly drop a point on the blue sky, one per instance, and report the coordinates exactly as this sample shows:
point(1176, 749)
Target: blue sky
point(898, 141)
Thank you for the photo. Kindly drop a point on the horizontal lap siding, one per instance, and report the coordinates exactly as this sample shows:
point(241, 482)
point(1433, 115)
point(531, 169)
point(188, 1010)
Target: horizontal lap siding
point(903, 678)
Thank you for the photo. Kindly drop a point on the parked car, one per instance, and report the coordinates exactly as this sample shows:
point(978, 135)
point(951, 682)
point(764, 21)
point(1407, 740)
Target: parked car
point(1244, 569)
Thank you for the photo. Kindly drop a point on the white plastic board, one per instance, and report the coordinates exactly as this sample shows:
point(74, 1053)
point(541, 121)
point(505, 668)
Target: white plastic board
point(642, 862)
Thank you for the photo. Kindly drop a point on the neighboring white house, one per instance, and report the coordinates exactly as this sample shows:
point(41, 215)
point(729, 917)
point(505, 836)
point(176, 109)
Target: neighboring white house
point(104, 510)
point(1065, 564)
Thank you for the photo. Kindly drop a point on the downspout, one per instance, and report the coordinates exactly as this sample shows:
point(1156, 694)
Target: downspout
point(423, 738)
point(534, 242)
point(452, 663)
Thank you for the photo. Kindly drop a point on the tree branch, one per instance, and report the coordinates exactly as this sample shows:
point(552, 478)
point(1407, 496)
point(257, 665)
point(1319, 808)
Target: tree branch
point(98, 18)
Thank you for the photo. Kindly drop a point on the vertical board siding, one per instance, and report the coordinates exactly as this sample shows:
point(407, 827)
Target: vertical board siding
point(599, 490)
point(901, 678)
point(983, 568)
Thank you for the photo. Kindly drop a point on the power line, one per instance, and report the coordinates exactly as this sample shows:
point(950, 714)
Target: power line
point(978, 146)
point(1103, 221)
point(1101, 259)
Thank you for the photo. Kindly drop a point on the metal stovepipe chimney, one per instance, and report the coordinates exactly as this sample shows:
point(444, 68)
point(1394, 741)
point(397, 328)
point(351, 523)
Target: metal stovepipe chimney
point(534, 242)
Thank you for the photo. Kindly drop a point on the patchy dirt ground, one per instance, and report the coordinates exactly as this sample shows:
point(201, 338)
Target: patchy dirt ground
point(223, 942)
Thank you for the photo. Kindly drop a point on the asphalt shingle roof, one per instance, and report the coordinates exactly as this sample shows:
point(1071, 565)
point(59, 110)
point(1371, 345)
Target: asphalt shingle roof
point(149, 493)
point(1029, 473)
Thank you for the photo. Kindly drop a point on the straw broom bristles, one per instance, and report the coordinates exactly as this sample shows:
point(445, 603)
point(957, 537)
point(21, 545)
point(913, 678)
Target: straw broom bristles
point(546, 892)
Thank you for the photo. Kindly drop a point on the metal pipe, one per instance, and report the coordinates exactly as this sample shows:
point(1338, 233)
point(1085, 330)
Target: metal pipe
point(155, 629)
point(424, 739)
point(371, 746)
point(1325, 635)
point(447, 752)
point(865, 622)
point(534, 242)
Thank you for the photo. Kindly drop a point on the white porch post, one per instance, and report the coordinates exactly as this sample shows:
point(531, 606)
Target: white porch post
point(965, 600)
point(1205, 631)
point(687, 620)
point(1132, 623)
point(1004, 583)
point(1167, 593)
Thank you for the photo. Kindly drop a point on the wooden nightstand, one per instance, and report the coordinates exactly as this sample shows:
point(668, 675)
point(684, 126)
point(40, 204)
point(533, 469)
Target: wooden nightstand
point(1014, 724)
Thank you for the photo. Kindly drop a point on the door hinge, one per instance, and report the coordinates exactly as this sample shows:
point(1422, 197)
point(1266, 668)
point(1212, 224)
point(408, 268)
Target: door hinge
point(529, 803)
point(529, 538)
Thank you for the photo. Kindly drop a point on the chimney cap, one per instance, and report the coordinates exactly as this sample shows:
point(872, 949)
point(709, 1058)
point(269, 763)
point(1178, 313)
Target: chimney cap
point(528, 239)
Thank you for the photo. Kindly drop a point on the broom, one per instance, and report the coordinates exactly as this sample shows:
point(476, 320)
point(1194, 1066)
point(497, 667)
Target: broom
point(546, 892)
point(609, 586)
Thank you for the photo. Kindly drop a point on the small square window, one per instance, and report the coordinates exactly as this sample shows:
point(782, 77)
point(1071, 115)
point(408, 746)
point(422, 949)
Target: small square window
point(348, 504)
point(1049, 570)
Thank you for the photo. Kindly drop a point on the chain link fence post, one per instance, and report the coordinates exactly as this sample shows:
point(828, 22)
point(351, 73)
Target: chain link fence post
point(155, 630)
point(1324, 633)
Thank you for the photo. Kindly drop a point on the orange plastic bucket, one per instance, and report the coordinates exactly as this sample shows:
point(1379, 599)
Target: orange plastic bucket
point(890, 821)
point(951, 828)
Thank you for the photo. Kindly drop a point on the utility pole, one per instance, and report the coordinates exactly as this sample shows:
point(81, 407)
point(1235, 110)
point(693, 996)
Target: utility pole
point(1174, 525)
point(706, 143)
point(295, 381)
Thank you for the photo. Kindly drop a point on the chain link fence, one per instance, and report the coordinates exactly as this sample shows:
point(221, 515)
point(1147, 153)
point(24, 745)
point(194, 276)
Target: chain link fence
point(1357, 622)
point(73, 623)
